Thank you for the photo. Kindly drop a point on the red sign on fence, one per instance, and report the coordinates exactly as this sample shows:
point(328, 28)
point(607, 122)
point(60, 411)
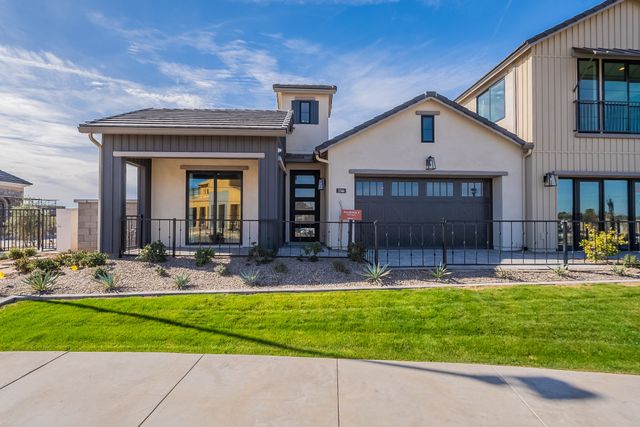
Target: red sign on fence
point(351, 215)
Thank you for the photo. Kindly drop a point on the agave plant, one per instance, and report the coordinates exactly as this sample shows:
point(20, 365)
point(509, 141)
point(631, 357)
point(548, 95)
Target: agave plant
point(109, 281)
point(182, 281)
point(440, 272)
point(619, 270)
point(250, 278)
point(41, 281)
point(561, 270)
point(375, 273)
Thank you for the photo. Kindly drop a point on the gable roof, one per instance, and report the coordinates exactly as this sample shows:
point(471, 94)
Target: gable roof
point(7, 177)
point(166, 120)
point(418, 99)
point(538, 38)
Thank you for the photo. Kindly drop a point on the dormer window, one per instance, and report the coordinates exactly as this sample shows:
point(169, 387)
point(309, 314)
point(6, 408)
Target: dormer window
point(305, 112)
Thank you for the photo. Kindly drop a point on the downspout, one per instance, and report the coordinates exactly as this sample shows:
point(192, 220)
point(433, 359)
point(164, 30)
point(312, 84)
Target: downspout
point(98, 144)
point(527, 154)
point(320, 159)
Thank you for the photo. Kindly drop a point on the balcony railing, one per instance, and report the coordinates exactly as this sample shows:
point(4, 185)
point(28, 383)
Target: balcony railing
point(608, 117)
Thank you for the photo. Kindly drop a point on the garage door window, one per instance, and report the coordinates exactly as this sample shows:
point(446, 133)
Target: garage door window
point(404, 189)
point(439, 189)
point(472, 189)
point(369, 188)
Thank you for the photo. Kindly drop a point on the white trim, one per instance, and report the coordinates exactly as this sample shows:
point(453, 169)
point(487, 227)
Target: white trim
point(187, 155)
point(185, 130)
point(14, 185)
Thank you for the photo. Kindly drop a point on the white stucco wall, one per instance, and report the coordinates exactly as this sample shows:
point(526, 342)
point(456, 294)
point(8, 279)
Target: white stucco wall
point(461, 145)
point(305, 138)
point(169, 198)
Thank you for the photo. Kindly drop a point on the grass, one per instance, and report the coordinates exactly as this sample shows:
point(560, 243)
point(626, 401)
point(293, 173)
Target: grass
point(588, 327)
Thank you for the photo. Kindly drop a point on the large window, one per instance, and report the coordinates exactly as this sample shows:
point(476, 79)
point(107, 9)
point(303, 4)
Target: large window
point(491, 104)
point(588, 95)
point(214, 207)
point(428, 129)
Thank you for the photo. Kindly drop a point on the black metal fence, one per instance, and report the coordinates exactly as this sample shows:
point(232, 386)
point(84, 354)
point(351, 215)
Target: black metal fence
point(28, 227)
point(482, 243)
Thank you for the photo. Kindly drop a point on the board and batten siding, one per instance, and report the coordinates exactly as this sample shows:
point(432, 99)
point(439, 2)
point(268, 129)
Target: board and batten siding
point(113, 182)
point(555, 76)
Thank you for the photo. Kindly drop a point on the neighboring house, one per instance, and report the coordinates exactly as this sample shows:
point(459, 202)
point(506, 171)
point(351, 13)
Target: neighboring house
point(574, 91)
point(235, 177)
point(11, 190)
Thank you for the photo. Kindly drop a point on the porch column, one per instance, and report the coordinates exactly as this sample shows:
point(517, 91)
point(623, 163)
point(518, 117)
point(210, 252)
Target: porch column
point(112, 199)
point(268, 197)
point(144, 196)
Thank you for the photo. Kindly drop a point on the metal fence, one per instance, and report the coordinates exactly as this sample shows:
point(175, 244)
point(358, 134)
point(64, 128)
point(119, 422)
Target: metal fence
point(28, 227)
point(482, 243)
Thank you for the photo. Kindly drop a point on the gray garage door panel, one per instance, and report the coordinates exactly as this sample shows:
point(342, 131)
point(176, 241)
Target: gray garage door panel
point(410, 211)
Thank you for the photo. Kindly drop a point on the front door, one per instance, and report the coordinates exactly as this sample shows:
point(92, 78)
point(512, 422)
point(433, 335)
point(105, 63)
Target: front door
point(305, 206)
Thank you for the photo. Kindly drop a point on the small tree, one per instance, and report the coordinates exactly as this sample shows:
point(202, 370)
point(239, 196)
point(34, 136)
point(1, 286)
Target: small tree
point(599, 245)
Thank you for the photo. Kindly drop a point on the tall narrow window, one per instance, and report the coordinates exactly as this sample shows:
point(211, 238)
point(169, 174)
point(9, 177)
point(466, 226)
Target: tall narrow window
point(565, 210)
point(428, 129)
point(588, 94)
point(491, 104)
point(305, 112)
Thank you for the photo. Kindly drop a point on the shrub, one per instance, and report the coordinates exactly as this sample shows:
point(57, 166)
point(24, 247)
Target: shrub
point(153, 252)
point(204, 256)
point(81, 259)
point(41, 281)
point(160, 271)
point(182, 281)
point(631, 261)
point(375, 273)
point(100, 272)
point(28, 252)
point(93, 259)
point(561, 270)
point(45, 264)
point(599, 245)
point(250, 278)
point(23, 265)
point(221, 269)
point(440, 272)
point(619, 270)
point(357, 251)
point(260, 255)
point(4, 255)
point(109, 281)
point(340, 267)
point(279, 267)
point(312, 250)
point(16, 253)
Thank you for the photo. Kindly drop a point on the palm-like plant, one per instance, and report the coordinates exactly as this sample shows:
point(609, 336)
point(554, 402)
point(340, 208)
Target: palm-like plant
point(109, 281)
point(375, 273)
point(41, 281)
point(440, 272)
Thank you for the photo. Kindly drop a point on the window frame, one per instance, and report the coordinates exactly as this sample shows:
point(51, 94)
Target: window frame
point(308, 103)
point(488, 91)
point(432, 117)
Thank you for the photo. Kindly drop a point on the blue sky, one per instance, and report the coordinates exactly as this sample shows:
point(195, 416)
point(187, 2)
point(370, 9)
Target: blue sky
point(64, 62)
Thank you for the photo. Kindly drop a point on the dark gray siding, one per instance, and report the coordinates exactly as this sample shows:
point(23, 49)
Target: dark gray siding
point(113, 177)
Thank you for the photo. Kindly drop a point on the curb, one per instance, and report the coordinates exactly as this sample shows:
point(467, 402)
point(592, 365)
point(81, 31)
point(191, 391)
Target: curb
point(16, 298)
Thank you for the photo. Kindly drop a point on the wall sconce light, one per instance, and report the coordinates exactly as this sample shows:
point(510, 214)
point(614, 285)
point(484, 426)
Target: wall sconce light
point(431, 163)
point(550, 179)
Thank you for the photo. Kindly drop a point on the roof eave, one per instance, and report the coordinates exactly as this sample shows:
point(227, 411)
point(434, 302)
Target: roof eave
point(130, 130)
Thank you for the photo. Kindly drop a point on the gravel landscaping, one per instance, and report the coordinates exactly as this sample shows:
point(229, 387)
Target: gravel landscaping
point(137, 276)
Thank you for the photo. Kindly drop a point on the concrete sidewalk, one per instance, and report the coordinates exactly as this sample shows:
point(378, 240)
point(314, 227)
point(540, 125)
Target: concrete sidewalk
point(151, 389)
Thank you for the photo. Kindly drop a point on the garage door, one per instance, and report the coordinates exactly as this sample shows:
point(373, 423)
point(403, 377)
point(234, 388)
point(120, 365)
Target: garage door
point(410, 211)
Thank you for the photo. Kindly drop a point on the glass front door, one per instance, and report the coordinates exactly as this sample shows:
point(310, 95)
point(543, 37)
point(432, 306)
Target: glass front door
point(214, 208)
point(305, 206)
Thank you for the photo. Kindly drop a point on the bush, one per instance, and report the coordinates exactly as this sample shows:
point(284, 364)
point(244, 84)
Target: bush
point(619, 270)
point(599, 245)
point(41, 281)
point(375, 273)
point(221, 269)
point(160, 271)
point(250, 278)
point(182, 281)
point(153, 252)
point(23, 265)
point(357, 251)
point(28, 252)
point(109, 281)
point(45, 264)
point(16, 253)
point(100, 272)
point(631, 261)
point(93, 259)
point(281, 268)
point(561, 270)
point(3, 256)
point(312, 250)
point(340, 267)
point(204, 256)
point(260, 255)
point(81, 259)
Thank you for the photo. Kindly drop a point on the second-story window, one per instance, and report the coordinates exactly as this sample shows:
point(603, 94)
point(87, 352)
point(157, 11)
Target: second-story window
point(491, 104)
point(428, 129)
point(305, 112)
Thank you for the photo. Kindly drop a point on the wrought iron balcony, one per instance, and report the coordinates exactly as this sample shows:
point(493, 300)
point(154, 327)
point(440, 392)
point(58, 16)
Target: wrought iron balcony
point(608, 117)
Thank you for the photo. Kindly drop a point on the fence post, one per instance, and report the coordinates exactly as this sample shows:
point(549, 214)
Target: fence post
point(565, 244)
point(39, 231)
point(141, 227)
point(376, 255)
point(444, 242)
point(350, 232)
point(173, 237)
point(123, 236)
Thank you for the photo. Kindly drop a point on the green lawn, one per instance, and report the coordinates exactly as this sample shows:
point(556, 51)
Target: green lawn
point(588, 327)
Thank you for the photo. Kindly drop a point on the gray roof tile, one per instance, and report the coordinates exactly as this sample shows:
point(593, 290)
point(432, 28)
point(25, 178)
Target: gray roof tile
point(305, 87)
point(7, 177)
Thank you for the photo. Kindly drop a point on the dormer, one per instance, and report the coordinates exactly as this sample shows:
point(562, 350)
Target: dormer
point(311, 106)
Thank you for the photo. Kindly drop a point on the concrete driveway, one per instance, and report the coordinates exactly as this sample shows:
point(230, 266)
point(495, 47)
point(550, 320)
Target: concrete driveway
point(130, 389)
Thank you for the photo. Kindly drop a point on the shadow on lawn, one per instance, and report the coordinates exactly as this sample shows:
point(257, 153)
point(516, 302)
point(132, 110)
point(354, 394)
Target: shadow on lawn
point(545, 387)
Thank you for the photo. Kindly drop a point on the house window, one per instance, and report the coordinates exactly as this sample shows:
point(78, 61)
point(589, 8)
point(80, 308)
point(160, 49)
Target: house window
point(404, 189)
point(428, 129)
point(491, 104)
point(305, 112)
point(588, 96)
point(369, 188)
point(439, 189)
point(471, 189)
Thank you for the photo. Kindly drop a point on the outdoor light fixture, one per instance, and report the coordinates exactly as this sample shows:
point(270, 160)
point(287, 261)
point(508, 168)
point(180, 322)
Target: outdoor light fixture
point(431, 163)
point(550, 179)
